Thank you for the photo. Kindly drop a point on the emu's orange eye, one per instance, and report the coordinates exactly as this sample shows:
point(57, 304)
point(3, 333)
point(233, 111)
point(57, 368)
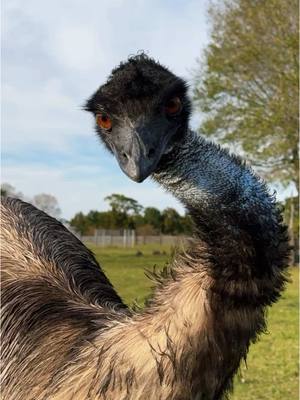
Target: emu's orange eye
point(173, 106)
point(103, 121)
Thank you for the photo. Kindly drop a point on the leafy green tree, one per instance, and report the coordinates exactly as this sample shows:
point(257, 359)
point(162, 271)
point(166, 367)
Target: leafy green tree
point(100, 219)
point(122, 204)
point(124, 211)
point(187, 224)
point(137, 220)
point(153, 217)
point(80, 223)
point(247, 83)
point(146, 230)
point(171, 221)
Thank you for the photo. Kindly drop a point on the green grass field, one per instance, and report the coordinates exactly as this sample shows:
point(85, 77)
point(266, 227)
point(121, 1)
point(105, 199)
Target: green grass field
point(272, 364)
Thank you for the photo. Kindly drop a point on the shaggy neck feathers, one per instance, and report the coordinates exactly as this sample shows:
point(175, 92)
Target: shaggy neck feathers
point(201, 174)
point(232, 210)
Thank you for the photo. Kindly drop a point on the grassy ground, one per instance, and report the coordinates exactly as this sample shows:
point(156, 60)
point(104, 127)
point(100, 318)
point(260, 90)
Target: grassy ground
point(272, 364)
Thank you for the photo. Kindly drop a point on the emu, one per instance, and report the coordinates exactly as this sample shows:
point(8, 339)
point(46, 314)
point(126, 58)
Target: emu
point(66, 334)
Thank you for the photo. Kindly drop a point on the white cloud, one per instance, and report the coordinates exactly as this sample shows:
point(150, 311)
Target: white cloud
point(77, 48)
point(40, 115)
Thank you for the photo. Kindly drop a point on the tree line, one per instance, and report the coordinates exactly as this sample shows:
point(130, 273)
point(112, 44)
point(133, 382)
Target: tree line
point(126, 213)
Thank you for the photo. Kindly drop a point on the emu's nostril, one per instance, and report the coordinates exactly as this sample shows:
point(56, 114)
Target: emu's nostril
point(151, 153)
point(125, 156)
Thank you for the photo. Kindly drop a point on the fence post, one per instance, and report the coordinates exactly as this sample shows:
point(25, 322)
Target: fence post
point(124, 237)
point(132, 238)
point(103, 238)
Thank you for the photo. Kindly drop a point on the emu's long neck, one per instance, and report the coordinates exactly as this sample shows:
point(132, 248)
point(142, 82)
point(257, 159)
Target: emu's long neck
point(210, 182)
point(233, 212)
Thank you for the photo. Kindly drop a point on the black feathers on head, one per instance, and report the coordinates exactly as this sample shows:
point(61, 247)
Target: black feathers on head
point(138, 78)
point(135, 99)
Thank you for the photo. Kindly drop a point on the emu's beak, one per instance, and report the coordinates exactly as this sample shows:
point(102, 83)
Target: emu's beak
point(139, 150)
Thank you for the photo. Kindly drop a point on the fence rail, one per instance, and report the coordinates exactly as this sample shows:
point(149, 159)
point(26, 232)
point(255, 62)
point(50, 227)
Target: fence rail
point(129, 238)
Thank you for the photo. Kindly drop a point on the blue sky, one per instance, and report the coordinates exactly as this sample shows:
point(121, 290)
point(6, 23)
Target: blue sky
point(54, 56)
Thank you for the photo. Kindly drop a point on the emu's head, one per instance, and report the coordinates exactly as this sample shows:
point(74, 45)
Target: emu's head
point(140, 112)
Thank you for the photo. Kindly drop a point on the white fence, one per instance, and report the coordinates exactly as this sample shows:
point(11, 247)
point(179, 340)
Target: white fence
point(129, 238)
